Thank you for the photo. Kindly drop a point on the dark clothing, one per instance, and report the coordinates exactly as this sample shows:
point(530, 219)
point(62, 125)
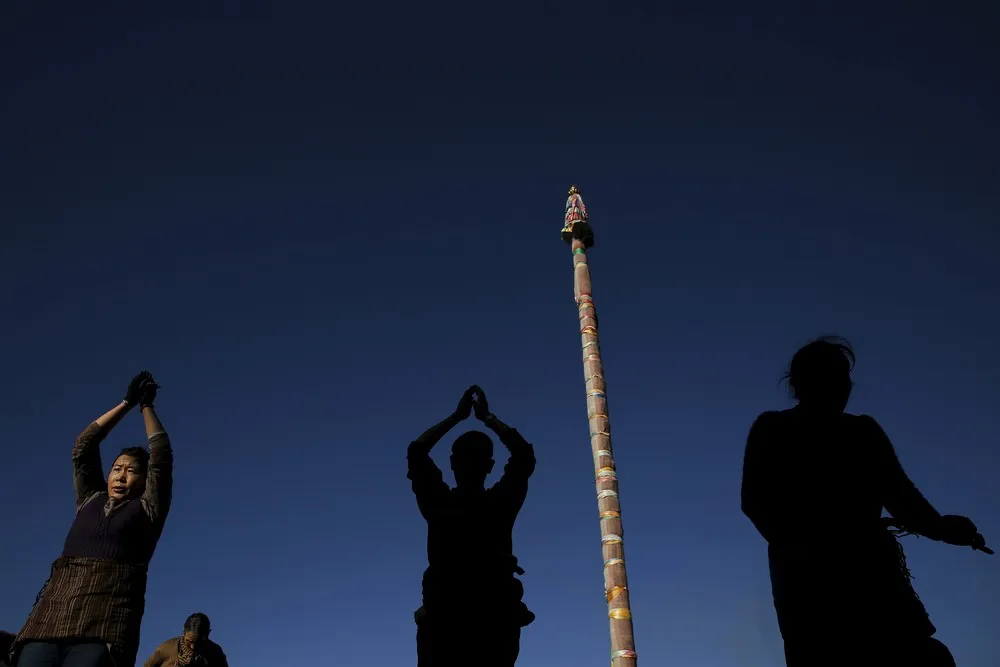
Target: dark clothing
point(469, 534)
point(125, 535)
point(6, 641)
point(97, 589)
point(815, 488)
point(476, 524)
point(470, 591)
point(90, 600)
point(463, 643)
point(56, 654)
point(89, 481)
point(173, 653)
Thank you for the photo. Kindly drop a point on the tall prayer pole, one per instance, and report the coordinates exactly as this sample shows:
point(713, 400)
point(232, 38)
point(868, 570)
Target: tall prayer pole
point(580, 236)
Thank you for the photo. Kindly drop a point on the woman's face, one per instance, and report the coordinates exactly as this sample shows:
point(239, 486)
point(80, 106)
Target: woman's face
point(829, 385)
point(840, 391)
point(126, 479)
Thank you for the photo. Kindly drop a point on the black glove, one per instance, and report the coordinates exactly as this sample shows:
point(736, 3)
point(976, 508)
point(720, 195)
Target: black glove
point(138, 387)
point(148, 394)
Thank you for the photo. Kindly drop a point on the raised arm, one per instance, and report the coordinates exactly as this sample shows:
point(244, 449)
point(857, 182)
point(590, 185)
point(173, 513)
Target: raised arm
point(756, 497)
point(422, 446)
point(900, 496)
point(521, 464)
point(88, 472)
point(425, 477)
point(160, 473)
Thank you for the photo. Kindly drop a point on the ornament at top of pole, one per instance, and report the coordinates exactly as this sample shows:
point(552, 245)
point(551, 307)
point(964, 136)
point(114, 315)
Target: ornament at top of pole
point(576, 223)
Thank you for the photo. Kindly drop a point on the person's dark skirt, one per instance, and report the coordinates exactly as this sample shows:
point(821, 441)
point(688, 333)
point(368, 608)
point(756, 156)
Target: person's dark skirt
point(846, 601)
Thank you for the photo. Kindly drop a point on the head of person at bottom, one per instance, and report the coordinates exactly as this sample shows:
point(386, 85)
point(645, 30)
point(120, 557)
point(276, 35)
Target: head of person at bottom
point(819, 376)
point(197, 627)
point(472, 460)
point(127, 479)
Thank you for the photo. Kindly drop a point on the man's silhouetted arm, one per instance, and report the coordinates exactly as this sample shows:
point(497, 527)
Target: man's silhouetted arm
point(423, 445)
point(425, 477)
point(900, 496)
point(520, 465)
point(756, 494)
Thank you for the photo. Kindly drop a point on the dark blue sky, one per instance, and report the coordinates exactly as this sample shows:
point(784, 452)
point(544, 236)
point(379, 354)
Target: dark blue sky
point(317, 227)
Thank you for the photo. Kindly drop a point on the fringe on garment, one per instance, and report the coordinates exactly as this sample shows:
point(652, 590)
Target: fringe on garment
point(89, 599)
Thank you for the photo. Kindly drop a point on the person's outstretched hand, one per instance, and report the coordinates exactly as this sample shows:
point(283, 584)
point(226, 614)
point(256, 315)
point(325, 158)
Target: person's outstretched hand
point(148, 393)
point(137, 387)
point(464, 409)
point(961, 532)
point(480, 405)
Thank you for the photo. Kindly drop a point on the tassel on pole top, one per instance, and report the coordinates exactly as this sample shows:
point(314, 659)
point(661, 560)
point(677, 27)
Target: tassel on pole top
point(577, 225)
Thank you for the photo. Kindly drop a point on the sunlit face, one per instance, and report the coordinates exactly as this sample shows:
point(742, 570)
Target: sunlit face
point(127, 479)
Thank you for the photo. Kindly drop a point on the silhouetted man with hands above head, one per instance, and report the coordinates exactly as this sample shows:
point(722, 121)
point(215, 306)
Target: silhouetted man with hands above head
point(815, 481)
point(472, 612)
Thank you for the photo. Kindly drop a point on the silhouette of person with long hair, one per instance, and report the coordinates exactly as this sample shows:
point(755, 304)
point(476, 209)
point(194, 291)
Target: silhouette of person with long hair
point(472, 612)
point(89, 612)
point(192, 649)
point(815, 482)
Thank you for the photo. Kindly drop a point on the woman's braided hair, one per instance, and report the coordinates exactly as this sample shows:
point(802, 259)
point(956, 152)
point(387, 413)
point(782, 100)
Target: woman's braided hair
point(905, 576)
point(199, 624)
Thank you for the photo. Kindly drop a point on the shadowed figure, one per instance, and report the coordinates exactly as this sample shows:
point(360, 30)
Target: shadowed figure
point(815, 482)
point(472, 612)
point(6, 641)
point(192, 649)
point(89, 612)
